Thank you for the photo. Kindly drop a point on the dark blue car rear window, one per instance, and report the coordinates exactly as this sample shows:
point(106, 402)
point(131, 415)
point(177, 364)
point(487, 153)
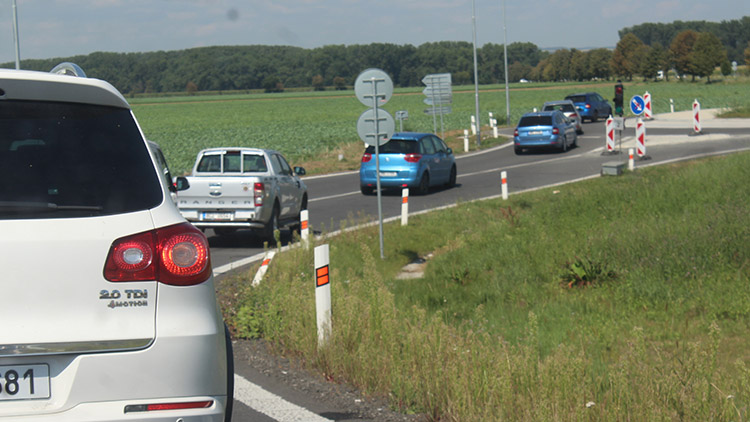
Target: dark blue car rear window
point(576, 98)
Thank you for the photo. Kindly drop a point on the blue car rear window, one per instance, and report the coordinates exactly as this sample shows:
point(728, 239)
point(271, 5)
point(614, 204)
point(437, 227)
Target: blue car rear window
point(535, 121)
point(576, 98)
point(396, 146)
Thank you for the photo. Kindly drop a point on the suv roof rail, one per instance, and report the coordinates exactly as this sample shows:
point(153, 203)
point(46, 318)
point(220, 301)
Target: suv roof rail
point(68, 68)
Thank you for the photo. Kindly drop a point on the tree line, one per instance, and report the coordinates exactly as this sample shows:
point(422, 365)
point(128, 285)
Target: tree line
point(641, 49)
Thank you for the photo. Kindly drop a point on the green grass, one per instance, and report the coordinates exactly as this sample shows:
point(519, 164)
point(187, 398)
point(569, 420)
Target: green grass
point(627, 292)
point(313, 128)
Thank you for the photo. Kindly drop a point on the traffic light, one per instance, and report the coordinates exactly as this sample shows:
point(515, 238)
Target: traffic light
point(619, 95)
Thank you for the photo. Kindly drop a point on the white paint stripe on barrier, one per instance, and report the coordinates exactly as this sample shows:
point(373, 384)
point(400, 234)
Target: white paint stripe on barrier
point(271, 405)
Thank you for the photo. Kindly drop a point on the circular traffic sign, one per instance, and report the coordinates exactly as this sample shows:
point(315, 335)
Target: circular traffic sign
point(373, 83)
point(637, 105)
point(366, 127)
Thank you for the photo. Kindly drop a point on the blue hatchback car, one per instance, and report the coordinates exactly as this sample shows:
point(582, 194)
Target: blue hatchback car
point(544, 129)
point(414, 160)
point(591, 106)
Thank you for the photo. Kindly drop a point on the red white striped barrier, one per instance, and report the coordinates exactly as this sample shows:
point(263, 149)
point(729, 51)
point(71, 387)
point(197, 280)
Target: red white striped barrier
point(404, 206)
point(263, 267)
point(696, 117)
point(504, 184)
point(304, 228)
point(647, 112)
point(323, 294)
point(610, 132)
point(640, 137)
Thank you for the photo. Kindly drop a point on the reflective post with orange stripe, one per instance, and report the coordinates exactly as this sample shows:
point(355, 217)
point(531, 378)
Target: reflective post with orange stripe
point(404, 206)
point(504, 183)
point(263, 267)
point(323, 294)
point(304, 230)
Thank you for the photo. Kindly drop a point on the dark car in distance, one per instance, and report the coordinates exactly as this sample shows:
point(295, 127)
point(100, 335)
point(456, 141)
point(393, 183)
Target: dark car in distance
point(591, 105)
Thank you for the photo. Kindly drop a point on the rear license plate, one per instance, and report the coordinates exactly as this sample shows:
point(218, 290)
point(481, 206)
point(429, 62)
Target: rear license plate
point(535, 132)
point(24, 382)
point(388, 174)
point(218, 216)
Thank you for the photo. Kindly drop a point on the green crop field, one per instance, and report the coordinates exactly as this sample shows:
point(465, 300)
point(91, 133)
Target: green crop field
point(306, 125)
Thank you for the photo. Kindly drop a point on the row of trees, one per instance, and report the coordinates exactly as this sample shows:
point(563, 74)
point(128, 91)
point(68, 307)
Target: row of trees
point(275, 67)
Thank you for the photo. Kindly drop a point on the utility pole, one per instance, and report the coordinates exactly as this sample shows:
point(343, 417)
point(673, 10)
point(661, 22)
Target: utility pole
point(15, 35)
point(505, 56)
point(476, 79)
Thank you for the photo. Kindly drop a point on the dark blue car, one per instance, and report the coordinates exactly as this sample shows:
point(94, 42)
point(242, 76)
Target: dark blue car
point(591, 106)
point(414, 160)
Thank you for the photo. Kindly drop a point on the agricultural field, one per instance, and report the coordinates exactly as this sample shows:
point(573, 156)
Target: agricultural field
point(306, 126)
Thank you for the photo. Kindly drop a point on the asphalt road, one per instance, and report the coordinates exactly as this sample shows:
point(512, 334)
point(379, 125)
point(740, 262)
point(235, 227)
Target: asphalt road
point(336, 198)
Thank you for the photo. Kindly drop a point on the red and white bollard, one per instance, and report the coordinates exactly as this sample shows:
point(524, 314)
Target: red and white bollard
point(647, 112)
point(696, 117)
point(504, 184)
point(404, 206)
point(610, 132)
point(323, 294)
point(631, 162)
point(263, 267)
point(640, 138)
point(304, 228)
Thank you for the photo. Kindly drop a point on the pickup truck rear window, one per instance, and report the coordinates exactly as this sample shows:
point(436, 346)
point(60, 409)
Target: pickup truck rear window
point(251, 163)
point(64, 160)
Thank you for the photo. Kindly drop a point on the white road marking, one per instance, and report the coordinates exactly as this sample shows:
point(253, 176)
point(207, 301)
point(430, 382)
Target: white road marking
point(270, 404)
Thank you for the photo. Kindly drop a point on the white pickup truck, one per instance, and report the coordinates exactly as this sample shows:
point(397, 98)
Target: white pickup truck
point(235, 188)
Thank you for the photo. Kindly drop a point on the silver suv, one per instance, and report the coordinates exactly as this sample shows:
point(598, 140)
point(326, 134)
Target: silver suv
point(109, 309)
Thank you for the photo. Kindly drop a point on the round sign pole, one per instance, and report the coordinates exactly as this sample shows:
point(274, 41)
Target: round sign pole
point(372, 95)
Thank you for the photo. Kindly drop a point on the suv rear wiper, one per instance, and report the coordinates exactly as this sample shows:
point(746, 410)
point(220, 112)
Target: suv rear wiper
point(19, 206)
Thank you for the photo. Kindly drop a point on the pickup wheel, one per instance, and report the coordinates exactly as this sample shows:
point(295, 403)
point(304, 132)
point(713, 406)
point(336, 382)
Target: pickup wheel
point(272, 226)
point(297, 227)
point(230, 375)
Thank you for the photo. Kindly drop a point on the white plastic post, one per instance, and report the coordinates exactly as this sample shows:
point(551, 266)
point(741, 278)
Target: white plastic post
point(671, 105)
point(466, 140)
point(640, 137)
point(304, 229)
point(504, 184)
point(323, 294)
point(491, 119)
point(404, 206)
point(263, 267)
point(494, 131)
point(473, 125)
point(696, 117)
point(647, 112)
point(610, 133)
point(631, 162)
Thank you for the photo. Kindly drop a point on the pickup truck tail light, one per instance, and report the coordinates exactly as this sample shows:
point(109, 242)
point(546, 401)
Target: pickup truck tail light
point(177, 255)
point(259, 190)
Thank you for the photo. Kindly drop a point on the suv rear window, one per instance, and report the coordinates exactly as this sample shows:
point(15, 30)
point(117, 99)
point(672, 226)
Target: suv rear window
point(535, 121)
point(63, 160)
point(396, 146)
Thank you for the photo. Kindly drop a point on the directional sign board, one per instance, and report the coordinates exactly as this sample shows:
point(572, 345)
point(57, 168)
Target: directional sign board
point(446, 109)
point(439, 90)
point(637, 105)
point(366, 127)
point(373, 83)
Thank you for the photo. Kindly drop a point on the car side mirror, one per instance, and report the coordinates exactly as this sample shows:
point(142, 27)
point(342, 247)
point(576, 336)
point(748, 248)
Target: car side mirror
point(450, 151)
point(181, 183)
point(299, 171)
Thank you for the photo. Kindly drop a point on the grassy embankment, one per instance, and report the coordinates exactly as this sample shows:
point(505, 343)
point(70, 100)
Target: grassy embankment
point(616, 298)
point(313, 129)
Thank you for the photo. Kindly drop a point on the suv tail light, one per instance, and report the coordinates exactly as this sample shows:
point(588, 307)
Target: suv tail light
point(259, 191)
point(366, 158)
point(412, 158)
point(177, 255)
point(515, 132)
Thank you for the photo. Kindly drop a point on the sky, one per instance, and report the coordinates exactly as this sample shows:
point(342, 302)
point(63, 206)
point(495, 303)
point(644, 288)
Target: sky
point(64, 28)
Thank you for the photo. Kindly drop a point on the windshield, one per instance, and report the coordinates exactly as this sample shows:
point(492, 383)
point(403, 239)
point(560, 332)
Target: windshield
point(61, 160)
